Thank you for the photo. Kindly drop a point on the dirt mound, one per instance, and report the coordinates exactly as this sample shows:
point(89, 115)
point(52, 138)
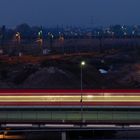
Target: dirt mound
point(52, 78)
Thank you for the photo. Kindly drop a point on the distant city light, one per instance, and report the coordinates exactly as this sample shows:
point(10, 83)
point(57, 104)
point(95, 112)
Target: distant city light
point(40, 33)
point(18, 37)
point(125, 33)
point(133, 32)
point(52, 35)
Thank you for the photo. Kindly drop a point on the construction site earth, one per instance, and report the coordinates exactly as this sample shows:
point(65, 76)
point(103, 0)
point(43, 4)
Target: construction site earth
point(109, 64)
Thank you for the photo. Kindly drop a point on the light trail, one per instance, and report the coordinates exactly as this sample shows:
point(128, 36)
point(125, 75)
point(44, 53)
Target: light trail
point(86, 98)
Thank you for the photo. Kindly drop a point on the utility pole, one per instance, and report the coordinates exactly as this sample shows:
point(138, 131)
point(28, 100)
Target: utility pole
point(81, 99)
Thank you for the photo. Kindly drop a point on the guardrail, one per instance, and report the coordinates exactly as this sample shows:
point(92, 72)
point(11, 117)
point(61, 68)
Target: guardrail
point(69, 116)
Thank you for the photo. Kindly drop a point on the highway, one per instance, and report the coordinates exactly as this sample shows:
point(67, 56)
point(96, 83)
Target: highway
point(85, 98)
point(69, 99)
point(109, 107)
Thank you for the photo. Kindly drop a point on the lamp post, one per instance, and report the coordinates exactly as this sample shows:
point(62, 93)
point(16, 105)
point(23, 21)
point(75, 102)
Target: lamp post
point(81, 100)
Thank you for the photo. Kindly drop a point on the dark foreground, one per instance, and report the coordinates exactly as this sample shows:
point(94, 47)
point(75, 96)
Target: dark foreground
point(116, 66)
point(84, 135)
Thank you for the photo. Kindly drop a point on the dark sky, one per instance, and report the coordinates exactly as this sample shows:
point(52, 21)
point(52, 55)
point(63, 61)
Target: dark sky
point(69, 12)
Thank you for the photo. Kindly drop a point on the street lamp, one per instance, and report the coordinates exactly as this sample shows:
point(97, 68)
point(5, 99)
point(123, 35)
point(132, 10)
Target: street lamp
point(83, 63)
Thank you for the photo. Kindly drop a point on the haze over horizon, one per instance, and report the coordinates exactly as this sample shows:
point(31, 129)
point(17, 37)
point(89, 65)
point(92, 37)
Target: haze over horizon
point(69, 12)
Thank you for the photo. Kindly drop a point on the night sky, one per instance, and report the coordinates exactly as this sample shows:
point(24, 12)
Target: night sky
point(69, 12)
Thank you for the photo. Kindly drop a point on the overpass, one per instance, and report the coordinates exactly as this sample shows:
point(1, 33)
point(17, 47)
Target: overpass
point(65, 106)
point(70, 115)
point(62, 111)
point(16, 120)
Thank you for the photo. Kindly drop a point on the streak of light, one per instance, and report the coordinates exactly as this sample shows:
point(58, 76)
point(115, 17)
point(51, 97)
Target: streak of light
point(69, 98)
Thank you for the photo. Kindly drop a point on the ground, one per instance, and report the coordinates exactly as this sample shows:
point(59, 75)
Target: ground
point(109, 67)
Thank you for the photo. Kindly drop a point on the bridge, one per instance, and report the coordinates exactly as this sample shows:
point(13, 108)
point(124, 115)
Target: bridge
point(63, 111)
point(67, 115)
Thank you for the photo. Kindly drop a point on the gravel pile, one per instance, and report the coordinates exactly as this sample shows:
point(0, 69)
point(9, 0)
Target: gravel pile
point(52, 78)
